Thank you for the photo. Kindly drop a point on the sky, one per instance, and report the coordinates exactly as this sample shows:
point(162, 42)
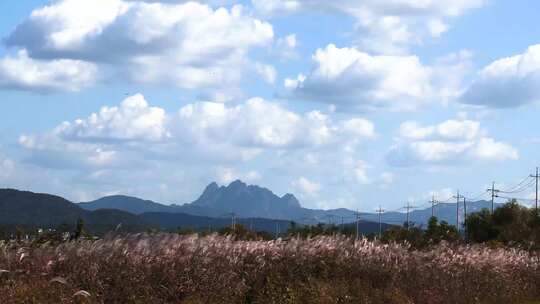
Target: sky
point(354, 104)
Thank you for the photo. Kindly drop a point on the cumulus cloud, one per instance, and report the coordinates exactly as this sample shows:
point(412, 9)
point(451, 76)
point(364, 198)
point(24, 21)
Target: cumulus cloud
point(261, 124)
point(383, 26)
point(190, 45)
point(134, 130)
point(507, 82)
point(226, 175)
point(307, 187)
point(123, 147)
point(286, 46)
point(267, 72)
point(450, 142)
point(351, 79)
point(133, 120)
point(24, 73)
point(447, 130)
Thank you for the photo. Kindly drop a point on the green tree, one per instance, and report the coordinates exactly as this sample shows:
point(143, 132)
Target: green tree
point(437, 232)
point(480, 227)
point(511, 224)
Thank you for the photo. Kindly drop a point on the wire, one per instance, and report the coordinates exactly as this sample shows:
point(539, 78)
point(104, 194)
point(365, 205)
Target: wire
point(519, 185)
point(446, 200)
point(478, 196)
point(521, 189)
point(515, 198)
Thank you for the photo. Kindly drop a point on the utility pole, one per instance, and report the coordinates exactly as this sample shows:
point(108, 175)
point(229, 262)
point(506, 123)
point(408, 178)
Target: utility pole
point(494, 193)
point(380, 211)
point(357, 224)
point(458, 197)
point(233, 221)
point(433, 203)
point(408, 207)
point(536, 176)
point(465, 219)
point(277, 230)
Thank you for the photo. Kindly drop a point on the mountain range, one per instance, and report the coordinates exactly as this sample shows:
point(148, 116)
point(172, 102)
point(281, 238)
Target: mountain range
point(255, 207)
point(251, 201)
point(32, 211)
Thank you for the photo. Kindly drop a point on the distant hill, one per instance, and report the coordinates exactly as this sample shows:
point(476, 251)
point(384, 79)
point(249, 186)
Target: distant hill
point(126, 203)
point(443, 212)
point(37, 210)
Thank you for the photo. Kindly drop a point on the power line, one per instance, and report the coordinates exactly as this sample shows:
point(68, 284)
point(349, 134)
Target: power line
point(521, 189)
point(536, 176)
point(517, 199)
point(481, 194)
point(517, 186)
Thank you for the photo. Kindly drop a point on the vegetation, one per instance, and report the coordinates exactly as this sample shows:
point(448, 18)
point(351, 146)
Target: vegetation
point(172, 268)
point(511, 224)
point(309, 264)
point(419, 238)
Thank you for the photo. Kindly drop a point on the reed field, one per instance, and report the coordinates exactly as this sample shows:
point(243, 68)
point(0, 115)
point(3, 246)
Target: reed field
point(170, 268)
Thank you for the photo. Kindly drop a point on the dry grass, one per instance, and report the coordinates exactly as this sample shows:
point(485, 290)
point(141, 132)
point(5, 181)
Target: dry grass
point(189, 269)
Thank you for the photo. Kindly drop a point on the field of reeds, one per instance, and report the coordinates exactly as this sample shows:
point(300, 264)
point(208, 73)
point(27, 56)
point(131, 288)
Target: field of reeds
point(169, 268)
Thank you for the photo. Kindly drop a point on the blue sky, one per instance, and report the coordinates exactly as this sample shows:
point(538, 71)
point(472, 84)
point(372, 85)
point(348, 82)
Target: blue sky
point(345, 104)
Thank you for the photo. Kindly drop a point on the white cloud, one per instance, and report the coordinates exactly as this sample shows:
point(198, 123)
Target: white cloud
point(488, 148)
point(413, 130)
point(261, 124)
point(450, 142)
point(132, 120)
point(307, 187)
point(443, 194)
point(360, 172)
point(447, 130)
point(507, 82)
point(189, 45)
point(267, 72)
point(355, 170)
point(226, 175)
point(24, 73)
point(349, 78)
point(137, 132)
point(135, 147)
point(384, 26)
point(7, 167)
point(286, 46)
point(386, 179)
point(360, 127)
